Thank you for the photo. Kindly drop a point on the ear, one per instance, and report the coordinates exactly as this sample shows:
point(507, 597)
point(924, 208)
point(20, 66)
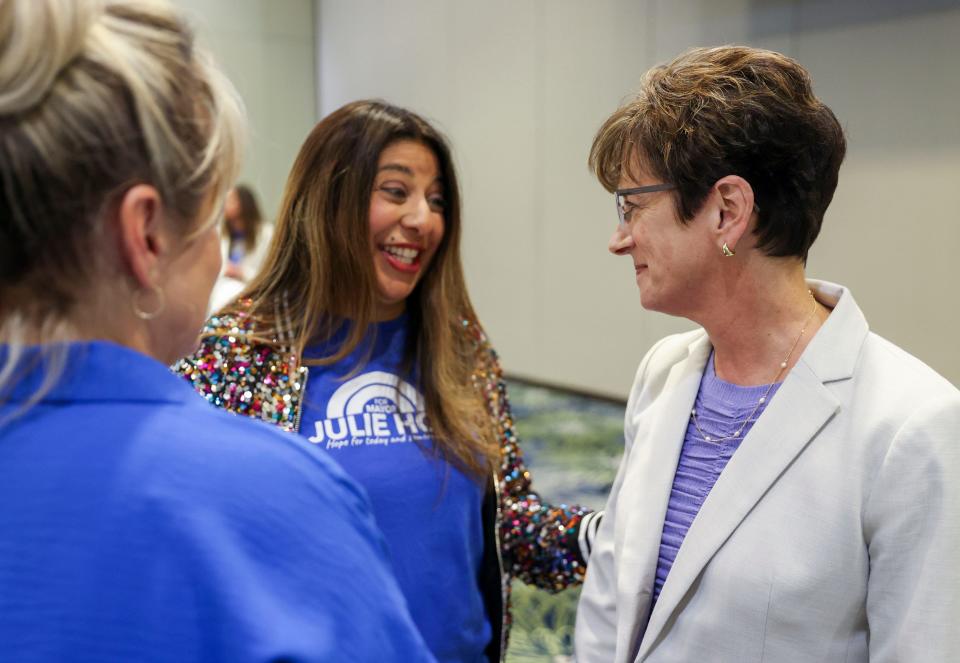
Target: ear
point(735, 196)
point(142, 242)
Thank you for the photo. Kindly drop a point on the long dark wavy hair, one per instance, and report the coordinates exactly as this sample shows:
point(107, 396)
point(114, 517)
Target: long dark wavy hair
point(319, 276)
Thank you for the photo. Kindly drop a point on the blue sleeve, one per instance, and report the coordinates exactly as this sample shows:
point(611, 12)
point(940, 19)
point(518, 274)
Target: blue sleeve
point(284, 562)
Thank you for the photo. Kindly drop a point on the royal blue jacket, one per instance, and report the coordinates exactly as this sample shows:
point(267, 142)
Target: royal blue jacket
point(138, 523)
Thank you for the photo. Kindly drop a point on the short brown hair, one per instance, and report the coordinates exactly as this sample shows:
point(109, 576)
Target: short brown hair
point(732, 110)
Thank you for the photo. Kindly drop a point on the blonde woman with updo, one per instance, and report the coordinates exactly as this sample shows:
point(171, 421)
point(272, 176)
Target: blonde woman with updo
point(138, 522)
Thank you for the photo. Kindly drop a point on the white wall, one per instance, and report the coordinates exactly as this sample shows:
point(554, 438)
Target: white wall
point(521, 87)
point(267, 49)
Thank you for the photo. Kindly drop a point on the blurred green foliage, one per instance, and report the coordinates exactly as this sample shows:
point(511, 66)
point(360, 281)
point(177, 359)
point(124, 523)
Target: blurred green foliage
point(572, 445)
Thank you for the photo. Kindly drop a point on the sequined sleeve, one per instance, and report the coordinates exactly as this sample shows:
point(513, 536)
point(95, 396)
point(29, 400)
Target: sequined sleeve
point(249, 378)
point(541, 543)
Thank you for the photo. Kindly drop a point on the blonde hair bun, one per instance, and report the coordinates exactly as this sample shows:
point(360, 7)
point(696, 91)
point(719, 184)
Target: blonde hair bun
point(38, 39)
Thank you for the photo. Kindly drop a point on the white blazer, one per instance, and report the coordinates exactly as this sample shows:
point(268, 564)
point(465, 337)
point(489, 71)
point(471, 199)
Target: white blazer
point(833, 535)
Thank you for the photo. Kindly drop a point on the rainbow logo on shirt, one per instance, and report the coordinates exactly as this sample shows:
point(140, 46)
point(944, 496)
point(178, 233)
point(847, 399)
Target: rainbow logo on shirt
point(375, 408)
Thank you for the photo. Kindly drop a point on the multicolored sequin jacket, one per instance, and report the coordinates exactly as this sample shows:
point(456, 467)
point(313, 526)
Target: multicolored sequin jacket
point(541, 544)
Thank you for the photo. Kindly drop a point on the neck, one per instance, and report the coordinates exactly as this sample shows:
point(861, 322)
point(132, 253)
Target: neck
point(98, 318)
point(760, 330)
point(384, 311)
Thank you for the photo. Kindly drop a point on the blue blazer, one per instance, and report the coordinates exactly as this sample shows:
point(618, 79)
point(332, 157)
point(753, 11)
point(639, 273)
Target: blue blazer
point(141, 524)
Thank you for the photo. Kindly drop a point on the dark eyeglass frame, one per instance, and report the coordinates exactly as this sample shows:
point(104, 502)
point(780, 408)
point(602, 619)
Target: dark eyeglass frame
point(619, 197)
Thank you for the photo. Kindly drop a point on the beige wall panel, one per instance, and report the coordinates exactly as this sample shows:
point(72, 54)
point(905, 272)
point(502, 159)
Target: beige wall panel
point(590, 57)
point(267, 49)
point(470, 68)
point(495, 132)
point(397, 51)
point(522, 87)
point(893, 231)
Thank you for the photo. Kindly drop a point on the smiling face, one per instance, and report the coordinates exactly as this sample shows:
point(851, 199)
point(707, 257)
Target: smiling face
point(671, 260)
point(406, 222)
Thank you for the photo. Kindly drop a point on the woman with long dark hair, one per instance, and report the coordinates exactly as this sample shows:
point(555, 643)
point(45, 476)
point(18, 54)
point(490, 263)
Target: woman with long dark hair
point(359, 334)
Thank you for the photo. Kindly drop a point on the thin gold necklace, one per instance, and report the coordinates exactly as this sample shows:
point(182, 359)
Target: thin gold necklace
point(763, 399)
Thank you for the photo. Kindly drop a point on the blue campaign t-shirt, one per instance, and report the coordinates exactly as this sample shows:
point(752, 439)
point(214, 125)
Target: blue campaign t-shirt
point(374, 424)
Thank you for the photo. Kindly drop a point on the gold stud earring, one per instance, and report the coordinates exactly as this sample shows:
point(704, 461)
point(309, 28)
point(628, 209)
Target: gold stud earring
point(727, 251)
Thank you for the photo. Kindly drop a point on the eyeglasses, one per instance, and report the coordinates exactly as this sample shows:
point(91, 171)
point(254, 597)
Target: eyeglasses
point(620, 196)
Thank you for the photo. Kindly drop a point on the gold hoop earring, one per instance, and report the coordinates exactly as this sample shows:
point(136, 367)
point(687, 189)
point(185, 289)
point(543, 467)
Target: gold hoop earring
point(148, 315)
point(727, 251)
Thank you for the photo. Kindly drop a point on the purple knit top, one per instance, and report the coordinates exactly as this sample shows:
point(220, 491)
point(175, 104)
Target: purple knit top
point(721, 407)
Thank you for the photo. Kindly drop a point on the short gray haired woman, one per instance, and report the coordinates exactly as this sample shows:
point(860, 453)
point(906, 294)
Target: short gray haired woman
point(127, 533)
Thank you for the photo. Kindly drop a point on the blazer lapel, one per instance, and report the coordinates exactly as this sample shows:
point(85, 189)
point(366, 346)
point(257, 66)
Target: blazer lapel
point(800, 408)
point(643, 502)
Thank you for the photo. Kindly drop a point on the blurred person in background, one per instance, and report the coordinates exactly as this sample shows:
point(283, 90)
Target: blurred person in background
point(359, 335)
point(246, 238)
point(139, 523)
point(790, 485)
point(245, 235)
